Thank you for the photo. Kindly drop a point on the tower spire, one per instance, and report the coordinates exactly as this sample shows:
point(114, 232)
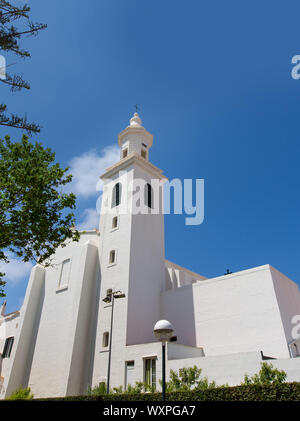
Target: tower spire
point(136, 120)
point(135, 138)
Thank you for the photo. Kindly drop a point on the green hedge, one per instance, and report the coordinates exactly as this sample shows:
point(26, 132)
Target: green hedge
point(274, 392)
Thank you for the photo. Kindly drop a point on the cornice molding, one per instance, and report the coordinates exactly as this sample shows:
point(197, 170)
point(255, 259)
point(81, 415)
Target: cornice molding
point(133, 158)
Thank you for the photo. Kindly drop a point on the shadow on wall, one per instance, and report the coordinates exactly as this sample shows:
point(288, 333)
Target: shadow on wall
point(34, 336)
point(1, 378)
point(178, 307)
point(93, 329)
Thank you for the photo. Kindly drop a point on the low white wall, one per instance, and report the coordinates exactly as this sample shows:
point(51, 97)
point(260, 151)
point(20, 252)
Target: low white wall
point(232, 368)
point(224, 369)
point(176, 351)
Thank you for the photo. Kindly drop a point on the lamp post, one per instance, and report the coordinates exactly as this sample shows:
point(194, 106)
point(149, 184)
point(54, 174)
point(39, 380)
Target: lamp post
point(111, 298)
point(163, 331)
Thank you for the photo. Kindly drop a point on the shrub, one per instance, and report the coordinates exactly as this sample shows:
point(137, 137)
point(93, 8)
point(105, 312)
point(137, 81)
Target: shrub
point(266, 375)
point(271, 392)
point(21, 395)
point(98, 390)
point(118, 389)
point(139, 387)
point(133, 390)
point(188, 378)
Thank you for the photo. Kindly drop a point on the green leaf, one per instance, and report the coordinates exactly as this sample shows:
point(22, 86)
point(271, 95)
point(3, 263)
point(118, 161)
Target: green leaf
point(35, 215)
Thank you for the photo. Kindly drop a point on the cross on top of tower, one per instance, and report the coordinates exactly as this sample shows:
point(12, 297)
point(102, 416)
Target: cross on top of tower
point(135, 120)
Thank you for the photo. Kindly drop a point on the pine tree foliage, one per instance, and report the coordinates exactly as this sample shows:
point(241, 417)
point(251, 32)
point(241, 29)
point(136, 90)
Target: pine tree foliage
point(15, 24)
point(17, 122)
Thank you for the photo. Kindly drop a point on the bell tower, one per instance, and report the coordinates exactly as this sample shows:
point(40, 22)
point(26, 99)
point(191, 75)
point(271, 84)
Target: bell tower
point(132, 256)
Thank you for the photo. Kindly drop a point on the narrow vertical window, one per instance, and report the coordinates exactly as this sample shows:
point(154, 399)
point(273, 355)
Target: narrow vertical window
point(65, 273)
point(105, 339)
point(144, 154)
point(148, 195)
point(8, 347)
point(124, 153)
point(150, 372)
point(112, 257)
point(116, 195)
point(114, 222)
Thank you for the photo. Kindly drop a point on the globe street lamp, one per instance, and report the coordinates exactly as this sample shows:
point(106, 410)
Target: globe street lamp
point(111, 296)
point(163, 331)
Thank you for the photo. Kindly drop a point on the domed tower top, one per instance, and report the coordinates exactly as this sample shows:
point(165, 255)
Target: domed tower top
point(135, 138)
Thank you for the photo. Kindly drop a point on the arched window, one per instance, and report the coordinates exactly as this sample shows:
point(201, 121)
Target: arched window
point(148, 195)
point(116, 195)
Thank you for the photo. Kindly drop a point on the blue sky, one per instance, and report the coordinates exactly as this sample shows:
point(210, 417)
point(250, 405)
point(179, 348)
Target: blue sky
point(213, 82)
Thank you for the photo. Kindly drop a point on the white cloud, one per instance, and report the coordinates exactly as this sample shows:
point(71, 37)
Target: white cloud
point(87, 168)
point(15, 270)
point(90, 220)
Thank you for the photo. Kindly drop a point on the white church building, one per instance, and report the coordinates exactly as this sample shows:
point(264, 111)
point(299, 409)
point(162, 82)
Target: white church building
point(58, 342)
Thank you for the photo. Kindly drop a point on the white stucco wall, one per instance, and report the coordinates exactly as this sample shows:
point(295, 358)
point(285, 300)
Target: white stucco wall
point(9, 327)
point(229, 314)
point(288, 299)
point(178, 351)
point(177, 276)
point(147, 271)
point(23, 348)
point(61, 318)
point(84, 306)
